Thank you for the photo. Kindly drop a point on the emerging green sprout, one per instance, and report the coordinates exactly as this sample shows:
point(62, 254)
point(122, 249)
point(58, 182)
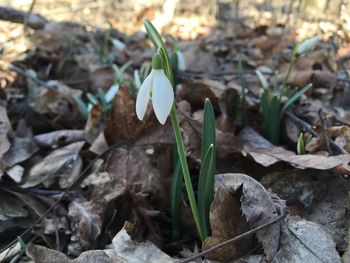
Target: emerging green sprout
point(102, 98)
point(301, 145)
point(274, 103)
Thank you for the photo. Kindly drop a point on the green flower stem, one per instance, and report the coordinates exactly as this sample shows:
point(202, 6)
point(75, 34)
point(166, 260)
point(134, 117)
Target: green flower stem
point(185, 171)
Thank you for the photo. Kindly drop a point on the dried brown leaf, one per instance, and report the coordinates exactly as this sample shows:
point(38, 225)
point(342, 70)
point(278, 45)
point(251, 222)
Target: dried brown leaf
point(257, 205)
point(264, 153)
point(63, 162)
point(227, 221)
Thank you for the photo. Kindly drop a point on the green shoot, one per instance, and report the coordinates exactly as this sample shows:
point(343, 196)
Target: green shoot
point(301, 145)
point(272, 102)
point(207, 171)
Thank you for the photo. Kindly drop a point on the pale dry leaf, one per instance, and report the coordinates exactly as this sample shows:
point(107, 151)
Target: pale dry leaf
point(22, 148)
point(306, 241)
point(258, 206)
point(42, 254)
point(138, 252)
point(64, 163)
point(86, 223)
point(264, 153)
point(59, 138)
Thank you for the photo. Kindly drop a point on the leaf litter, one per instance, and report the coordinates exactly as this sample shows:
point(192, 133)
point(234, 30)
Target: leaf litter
point(118, 210)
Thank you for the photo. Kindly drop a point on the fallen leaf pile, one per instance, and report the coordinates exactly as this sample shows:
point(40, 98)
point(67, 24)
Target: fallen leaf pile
point(99, 179)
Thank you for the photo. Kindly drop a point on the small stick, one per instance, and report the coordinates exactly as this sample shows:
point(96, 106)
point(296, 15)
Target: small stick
point(307, 127)
point(232, 240)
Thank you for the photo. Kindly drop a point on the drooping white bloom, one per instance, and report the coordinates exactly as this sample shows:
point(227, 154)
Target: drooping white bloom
point(157, 87)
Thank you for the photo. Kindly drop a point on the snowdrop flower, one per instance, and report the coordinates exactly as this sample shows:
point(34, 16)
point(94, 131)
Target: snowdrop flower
point(307, 45)
point(158, 87)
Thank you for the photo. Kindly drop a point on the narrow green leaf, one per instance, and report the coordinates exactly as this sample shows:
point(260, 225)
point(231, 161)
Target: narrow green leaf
point(274, 130)
point(265, 108)
point(112, 91)
point(176, 194)
point(101, 96)
point(262, 79)
point(205, 194)
point(92, 98)
point(145, 70)
point(292, 99)
point(82, 106)
point(301, 144)
point(208, 157)
point(22, 243)
point(208, 130)
point(125, 66)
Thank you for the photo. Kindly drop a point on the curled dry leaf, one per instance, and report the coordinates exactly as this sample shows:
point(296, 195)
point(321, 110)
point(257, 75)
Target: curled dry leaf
point(59, 138)
point(86, 224)
point(264, 153)
point(63, 163)
point(339, 134)
point(21, 149)
point(306, 241)
point(257, 206)
point(227, 221)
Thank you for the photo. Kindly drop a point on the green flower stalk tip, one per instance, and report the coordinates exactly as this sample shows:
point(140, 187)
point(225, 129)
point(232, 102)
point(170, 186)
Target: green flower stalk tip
point(157, 62)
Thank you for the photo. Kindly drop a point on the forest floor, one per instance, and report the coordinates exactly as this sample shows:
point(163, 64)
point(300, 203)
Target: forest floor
point(83, 180)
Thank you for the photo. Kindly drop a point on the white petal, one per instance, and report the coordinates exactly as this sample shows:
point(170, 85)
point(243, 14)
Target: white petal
point(181, 60)
point(162, 96)
point(143, 96)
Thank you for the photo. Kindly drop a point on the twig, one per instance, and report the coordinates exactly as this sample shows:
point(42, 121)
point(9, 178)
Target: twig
point(301, 124)
point(307, 127)
point(34, 21)
point(232, 240)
